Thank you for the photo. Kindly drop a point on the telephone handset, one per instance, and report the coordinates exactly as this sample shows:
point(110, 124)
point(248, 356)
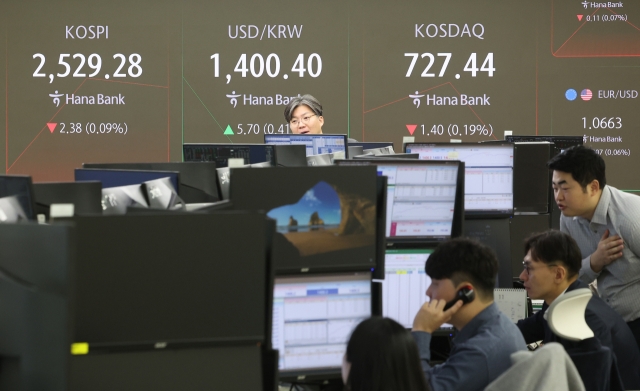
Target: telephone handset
point(466, 294)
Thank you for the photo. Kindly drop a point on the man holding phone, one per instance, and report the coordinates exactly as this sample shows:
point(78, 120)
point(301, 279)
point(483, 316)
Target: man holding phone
point(463, 273)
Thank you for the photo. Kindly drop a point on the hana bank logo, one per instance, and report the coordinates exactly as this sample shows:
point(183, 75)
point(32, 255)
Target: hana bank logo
point(233, 98)
point(56, 98)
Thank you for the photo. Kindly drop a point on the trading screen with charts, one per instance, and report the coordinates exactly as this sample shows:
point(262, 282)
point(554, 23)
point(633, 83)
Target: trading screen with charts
point(313, 317)
point(488, 183)
point(420, 199)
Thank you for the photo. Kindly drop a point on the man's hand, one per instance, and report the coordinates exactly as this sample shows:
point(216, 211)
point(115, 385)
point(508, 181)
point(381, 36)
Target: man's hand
point(609, 249)
point(431, 315)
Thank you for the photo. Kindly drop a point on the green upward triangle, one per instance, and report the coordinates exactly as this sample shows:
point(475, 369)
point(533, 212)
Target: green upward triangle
point(228, 130)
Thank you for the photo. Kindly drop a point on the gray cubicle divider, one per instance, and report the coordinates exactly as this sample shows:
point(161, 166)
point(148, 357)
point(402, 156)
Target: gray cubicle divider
point(522, 226)
point(179, 298)
point(531, 178)
point(494, 233)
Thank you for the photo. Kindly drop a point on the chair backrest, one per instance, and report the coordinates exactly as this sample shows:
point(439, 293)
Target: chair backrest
point(566, 315)
point(547, 368)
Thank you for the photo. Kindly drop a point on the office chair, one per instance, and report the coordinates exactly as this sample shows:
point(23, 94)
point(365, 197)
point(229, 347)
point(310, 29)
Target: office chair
point(544, 369)
point(596, 363)
point(566, 315)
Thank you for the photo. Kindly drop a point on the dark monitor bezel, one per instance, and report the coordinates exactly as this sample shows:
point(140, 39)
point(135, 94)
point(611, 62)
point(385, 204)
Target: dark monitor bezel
point(579, 140)
point(279, 269)
point(303, 376)
point(183, 184)
point(250, 145)
point(458, 215)
point(171, 174)
point(31, 214)
point(346, 149)
point(63, 190)
point(478, 214)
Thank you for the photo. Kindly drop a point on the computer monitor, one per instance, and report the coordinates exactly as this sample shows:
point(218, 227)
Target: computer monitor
point(326, 216)
point(116, 178)
point(220, 153)
point(488, 173)
point(405, 284)
point(85, 196)
point(371, 145)
point(291, 155)
point(21, 187)
point(319, 160)
point(313, 317)
point(316, 144)
point(354, 150)
point(161, 194)
point(380, 151)
point(10, 210)
point(424, 198)
point(117, 200)
point(394, 156)
point(198, 180)
point(561, 142)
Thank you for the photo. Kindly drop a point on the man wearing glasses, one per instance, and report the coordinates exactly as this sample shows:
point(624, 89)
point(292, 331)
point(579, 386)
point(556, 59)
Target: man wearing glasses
point(551, 266)
point(304, 115)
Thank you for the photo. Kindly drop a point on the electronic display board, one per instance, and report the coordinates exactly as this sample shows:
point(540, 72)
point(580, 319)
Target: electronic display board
point(132, 81)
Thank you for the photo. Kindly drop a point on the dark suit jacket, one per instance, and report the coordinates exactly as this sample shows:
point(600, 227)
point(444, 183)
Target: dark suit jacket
point(608, 327)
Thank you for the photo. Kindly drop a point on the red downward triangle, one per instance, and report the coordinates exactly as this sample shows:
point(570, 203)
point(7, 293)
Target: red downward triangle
point(411, 128)
point(52, 126)
point(580, 18)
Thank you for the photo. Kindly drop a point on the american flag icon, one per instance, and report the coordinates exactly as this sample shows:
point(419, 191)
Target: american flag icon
point(586, 94)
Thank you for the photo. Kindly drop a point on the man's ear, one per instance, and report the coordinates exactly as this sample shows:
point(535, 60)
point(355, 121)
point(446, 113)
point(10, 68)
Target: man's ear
point(560, 274)
point(594, 186)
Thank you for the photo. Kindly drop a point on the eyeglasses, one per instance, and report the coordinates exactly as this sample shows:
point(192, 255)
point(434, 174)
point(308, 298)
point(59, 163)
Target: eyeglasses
point(528, 268)
point(305, 120)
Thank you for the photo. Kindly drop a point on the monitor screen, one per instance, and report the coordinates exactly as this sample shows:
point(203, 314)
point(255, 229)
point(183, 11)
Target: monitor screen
point(488, 183)
point(313, 317)
point(197, 179)
point(21, 188)
point(421, 198)
point(117, 178)
point(371, 145)
point(10, 210)
point(326, 217)
point(220, 153)
point(405, 285)
point(317, 144)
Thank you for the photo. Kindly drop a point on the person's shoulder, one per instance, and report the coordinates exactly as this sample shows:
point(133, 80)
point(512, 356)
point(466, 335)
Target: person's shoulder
point(618, 196)
point(626, 209)
point(500, 333)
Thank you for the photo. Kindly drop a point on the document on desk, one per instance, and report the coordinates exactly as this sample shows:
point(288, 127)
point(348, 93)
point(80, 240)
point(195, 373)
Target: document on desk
point(512, 302)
